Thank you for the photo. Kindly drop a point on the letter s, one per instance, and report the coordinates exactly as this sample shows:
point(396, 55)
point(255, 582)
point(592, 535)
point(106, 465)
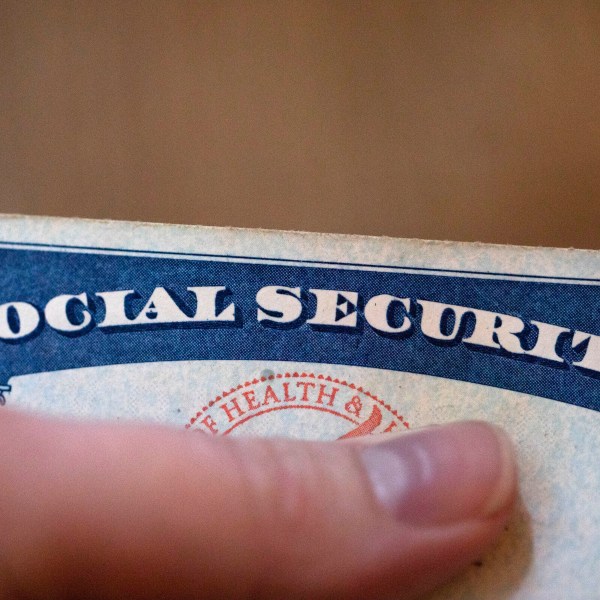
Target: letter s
point(279, 306)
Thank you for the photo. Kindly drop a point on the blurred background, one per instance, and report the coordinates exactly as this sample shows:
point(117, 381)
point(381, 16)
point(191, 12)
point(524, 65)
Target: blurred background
point(462, 121)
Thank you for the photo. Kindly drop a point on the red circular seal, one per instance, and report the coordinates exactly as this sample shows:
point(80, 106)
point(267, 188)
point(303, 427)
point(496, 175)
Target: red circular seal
point(300, 405)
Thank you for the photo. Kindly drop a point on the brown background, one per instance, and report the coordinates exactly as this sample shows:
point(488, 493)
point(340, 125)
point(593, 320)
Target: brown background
point(474, 121)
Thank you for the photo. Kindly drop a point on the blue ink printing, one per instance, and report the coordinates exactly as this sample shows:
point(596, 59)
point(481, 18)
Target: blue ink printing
point(66, 310)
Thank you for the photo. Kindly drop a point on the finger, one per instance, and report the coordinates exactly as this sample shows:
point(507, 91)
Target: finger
point(105, 511)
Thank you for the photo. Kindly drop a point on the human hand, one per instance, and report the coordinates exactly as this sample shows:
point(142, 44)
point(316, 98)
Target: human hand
point(98, 510)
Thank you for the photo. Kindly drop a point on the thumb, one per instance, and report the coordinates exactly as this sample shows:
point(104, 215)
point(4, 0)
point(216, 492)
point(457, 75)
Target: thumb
point(105, 511)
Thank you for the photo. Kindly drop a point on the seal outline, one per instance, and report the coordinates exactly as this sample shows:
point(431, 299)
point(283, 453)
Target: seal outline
point(297, 375)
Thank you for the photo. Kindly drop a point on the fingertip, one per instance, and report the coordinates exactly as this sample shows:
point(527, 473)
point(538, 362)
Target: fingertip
point(451, 473)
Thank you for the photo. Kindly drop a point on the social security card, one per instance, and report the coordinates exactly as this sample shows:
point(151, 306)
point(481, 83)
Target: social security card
point(240, 332)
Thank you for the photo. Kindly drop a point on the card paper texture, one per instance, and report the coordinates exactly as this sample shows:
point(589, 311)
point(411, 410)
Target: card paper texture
point(239, 332)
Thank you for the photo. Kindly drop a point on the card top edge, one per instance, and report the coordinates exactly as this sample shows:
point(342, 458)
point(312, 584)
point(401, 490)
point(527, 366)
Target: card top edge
point(12, 217)
point(333, 249)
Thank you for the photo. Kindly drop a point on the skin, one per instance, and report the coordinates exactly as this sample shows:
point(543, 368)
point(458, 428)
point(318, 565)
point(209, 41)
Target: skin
point(96, 510)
